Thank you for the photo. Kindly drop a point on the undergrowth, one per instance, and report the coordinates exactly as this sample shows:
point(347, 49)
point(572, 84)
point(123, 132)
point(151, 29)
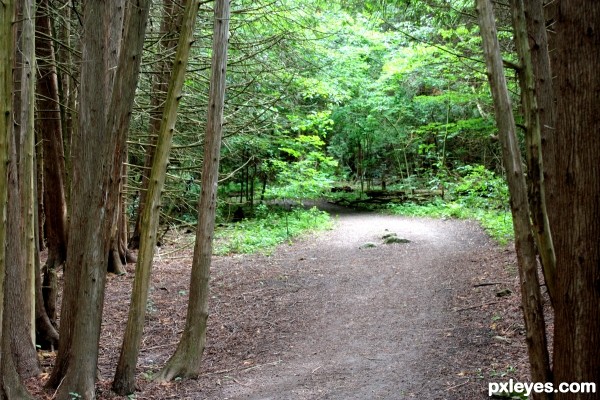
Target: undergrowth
point(497, 223)
point(269, 228)
point(479, 194)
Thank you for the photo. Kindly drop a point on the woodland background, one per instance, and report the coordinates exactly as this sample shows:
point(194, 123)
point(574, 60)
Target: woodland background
point(122, 121)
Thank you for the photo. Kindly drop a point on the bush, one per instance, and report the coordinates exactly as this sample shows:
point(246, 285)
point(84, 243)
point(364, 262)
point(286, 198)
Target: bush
point(270, 227)
point(479, 194)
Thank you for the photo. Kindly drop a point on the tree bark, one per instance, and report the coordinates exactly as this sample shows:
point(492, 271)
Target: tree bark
point(89, 231)
point(19, 271)
point(102, 127)
point(171, 21)
point(50, 127)
point(533, 141)
point(524, 243)
point(186, 361)
point(124, 382)
point(10, 384)
point(65, 28)
point(117, 257)
point(26, 162)
point(575, 209)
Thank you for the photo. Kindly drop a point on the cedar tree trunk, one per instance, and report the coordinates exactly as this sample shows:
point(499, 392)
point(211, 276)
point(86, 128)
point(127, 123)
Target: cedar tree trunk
point(20, 279)
point(575, 208)
point(10, 384)
point(50, 129)
point(185, 362)
point(524, 243)
point(171, 22)
point(533, 140)
point(124, 382)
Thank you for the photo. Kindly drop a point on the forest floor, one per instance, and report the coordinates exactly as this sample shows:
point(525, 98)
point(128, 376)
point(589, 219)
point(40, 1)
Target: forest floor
point(329, 317)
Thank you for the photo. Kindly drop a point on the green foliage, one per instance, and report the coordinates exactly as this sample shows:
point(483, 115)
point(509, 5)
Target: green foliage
point(270, 227)
point(481, 188)
point(302, 170)
point(498, 224)
point(479, 194)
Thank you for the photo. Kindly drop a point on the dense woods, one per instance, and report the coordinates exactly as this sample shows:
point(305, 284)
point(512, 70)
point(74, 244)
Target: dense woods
point(123, 121)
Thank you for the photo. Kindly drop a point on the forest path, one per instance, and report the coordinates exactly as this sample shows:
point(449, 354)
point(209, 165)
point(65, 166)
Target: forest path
point(348, 322)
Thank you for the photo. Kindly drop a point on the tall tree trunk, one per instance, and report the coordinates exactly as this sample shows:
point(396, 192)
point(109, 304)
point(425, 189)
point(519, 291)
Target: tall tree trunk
point(19, 271)
point(171, 21)
point(50, 128)
point(97, 180)
point(85, 268)
point(524, 243)
point(533, 140)
point(65, 28)
point(10, 384)
point(575, 209)
point(185, 362)
point(114, 19)
point(124, 382)
point(26, 162)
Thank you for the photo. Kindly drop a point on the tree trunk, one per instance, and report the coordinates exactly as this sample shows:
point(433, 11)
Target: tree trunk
point(115, 17)
point(46, 335)
point(525, 247)
point(533, 140)
point(575, 209)
point(544, 95)
point(10, 385)
point(6, 53)
point(26, 162)
point(124, 382)
point(50, 128)
point(65, 28)
point(19, 272)
point(103, 128)
point(171, 21)
point(185, 362)
point(85, 268)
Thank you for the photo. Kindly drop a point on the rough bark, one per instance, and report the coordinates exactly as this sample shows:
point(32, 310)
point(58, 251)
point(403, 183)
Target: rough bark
point(186, 361)
point(524, 243)
point(6, 54)
point(575, 209)
point(10, 385)
point(50, 130)
point(170, 24)
point(540, 59)
point(533, 140)
point(26, 163)
point(97, 180)
point(117, 258)
point(87, 250)
point(20, 291)
point(65, 29)
point(124, 382)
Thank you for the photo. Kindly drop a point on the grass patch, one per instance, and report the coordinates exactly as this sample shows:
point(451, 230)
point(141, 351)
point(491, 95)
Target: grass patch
point(270, 228)
point(497, 223)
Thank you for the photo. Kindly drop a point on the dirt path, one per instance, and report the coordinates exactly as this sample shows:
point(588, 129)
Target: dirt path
point(374, 323)
point(327, 318)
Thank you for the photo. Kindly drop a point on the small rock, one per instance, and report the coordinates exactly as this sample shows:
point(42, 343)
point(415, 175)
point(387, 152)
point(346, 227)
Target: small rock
point(502, 339)
point(504, 293)
point(389, 235)
point(368, 245)
point(395, 239)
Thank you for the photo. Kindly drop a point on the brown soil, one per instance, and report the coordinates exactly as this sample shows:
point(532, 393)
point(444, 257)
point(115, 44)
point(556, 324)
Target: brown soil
point(328, 318)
